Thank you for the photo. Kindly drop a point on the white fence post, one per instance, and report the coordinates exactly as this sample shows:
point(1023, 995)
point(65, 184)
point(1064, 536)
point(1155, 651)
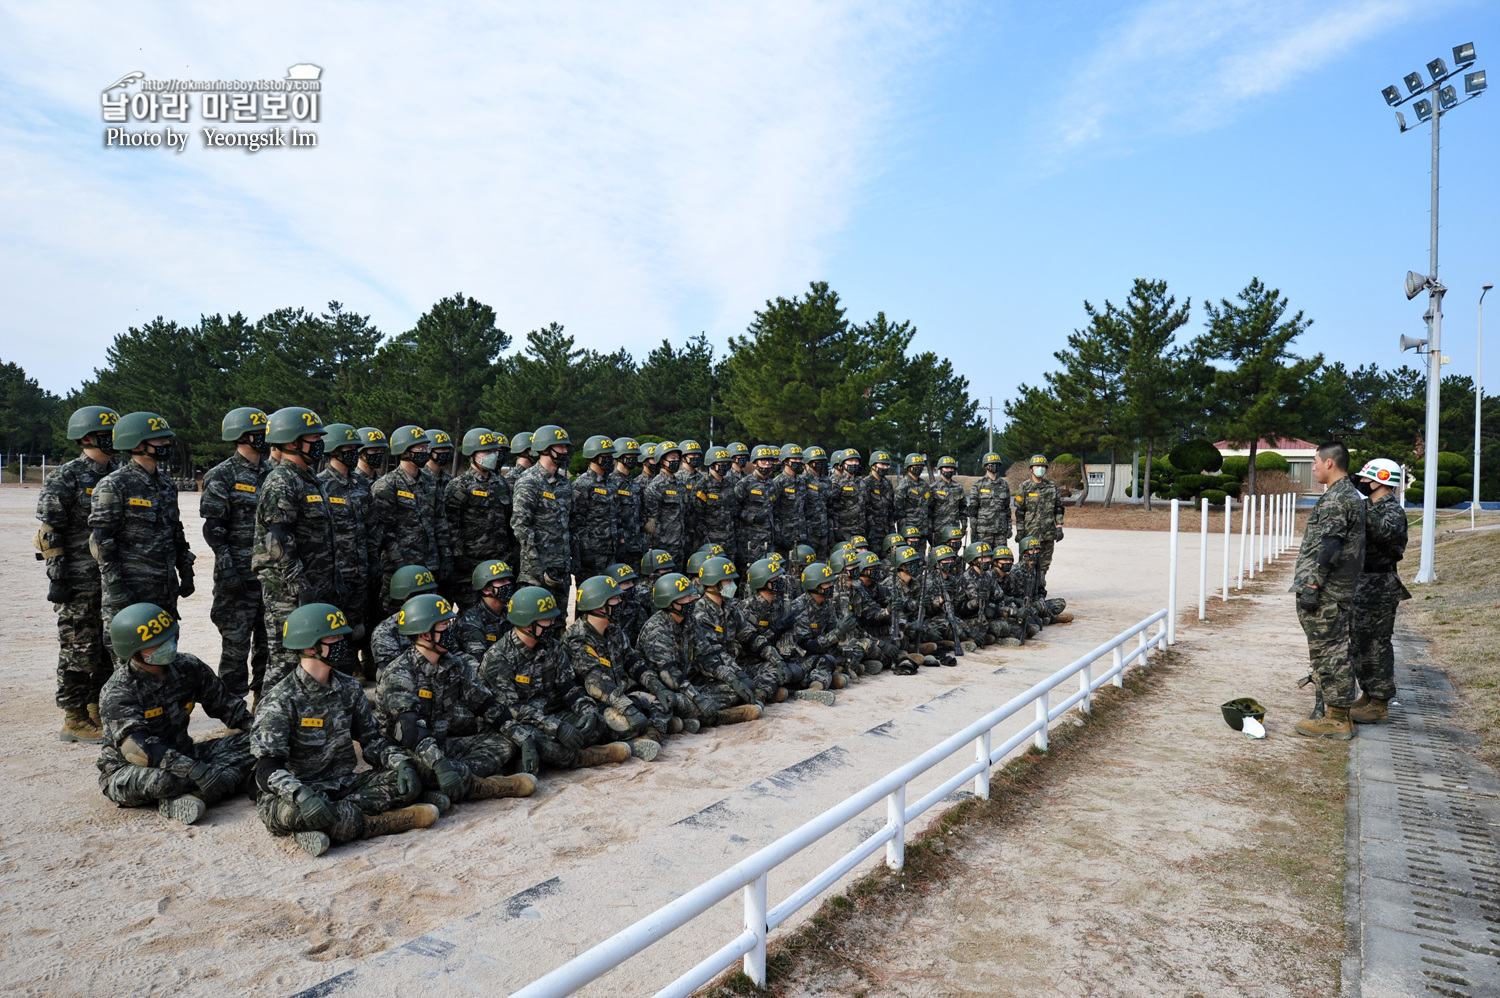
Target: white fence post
point(1086, 687)
point(982, 755)
point(1203, 566)
point(1042, 710)
point(895, 815)
point(755, 921)
point(1228, 530)
point(1244, 534)
point(1118, 663)
point(1142, 648)
point(1172, 578)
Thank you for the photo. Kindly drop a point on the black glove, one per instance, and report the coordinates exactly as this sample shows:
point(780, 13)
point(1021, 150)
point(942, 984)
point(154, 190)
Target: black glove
point(408, 780)
point(530, 763)
point(118, 599)
point(213, 781)
point(742, 691)
point(58, 591)
point(1307, 597)
point(226, 576)
point(313, 808)
point(138, 754)
point(589, 724)
point(1057, 535)
point(450, 780)
point(783, 625)
point(570, 737)
point(341, 595)
point(185, 587)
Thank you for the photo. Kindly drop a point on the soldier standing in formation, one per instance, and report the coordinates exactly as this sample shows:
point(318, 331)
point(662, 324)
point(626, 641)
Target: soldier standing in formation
point(949, 507)
point(595, 508)
point(629, 538)
point(410, 510)
point(351, 507)
point(1378, 592)
point(665, 505)
point(543, 516)
point(989, 505)
point(478, 505)
point(231, 491)
point(912, 499)
point(817, 487)
point(1039, 512)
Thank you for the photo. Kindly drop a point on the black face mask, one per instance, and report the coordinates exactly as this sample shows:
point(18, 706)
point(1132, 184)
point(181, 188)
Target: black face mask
point(721, 469)
point(625, 463)
point(347, 456)
point(1364, 485)
point(257, 442)
point(501, 592)
point(104, 440)
point(417, 457)
point(741, 463)
point(442, 457)
point(333, 653)
point(672, 466)
point(375, 459)
point(947, 473)
point(440, 639)
point(764, 472)
point(162, 453)
point(795, 467)
point(313, 451)
point(851, 468)
point(606, 463)
point(696, 461)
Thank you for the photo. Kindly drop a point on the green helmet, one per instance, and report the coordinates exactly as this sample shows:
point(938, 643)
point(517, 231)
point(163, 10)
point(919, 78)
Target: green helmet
point(483, 438)
point(440, 438)
point(904, 556)
point(657, 560)
point(839, 560)
point(530, 604)
point(488, 571)
point(814, 453)
point(859, 541)
point(737, 450)
point(868, 560)
point(909, 533)
point(889, 543)
point(520, 444)
point(336, 435)
point(803, 554)
point(947, 461)
point(595, 592)
point(852, 455)
point(837, 457)
point(93, 419)
point(940, 553)
point(1039, 459)
point(720, 455)
point(712, 550)
point(978, 549)
point(790, 452)
point(847, 547)
point(408, 580)
point(648, 453)
point(627, 445)
point(372, 438)
point(715, 570)
point(422, 613)
point(310, 624)
point(990, 458)
point(596, 445)
point(690, 447)
point(1004, 554)
point(879, 457)
point(670, 588)
point(667, 447)
point(140, 625)
point(951, 534)
point(238, 422)
point(1030, 545)
point(136, 428)
point(696, 562)
point(913, 460)
point(816, 575)
point(621, 572)
point(764, 452)
point(408, 436)
point(763, 571)
point(291, 423)
point(549, 436)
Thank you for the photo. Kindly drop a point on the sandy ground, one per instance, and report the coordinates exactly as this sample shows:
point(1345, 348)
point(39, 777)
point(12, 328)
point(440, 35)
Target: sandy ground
point(1173, 856)
point(99, 899)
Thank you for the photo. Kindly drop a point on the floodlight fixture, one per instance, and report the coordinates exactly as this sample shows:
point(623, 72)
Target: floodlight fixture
point(1437, 69)
point(1448, 96)
point(1411, 343)
point(1463, 54)
point(1413, 82)
point(1415, 284)
point(1423, 108)
point(1392, 96)
point(1401, 120)
point(1474, 82)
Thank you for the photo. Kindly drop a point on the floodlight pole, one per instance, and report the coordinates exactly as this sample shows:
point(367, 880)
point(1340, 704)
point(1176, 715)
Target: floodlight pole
point(1435, 290)
point(1478, 400)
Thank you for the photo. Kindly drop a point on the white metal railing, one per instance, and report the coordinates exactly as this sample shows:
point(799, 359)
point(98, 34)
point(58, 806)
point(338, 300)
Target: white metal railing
point(750, 875)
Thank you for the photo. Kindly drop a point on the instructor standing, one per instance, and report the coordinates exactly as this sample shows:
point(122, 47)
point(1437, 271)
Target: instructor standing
point(1378, 592)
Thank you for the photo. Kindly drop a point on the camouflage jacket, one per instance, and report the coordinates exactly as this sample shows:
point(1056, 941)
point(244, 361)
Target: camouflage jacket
point(1024, 583)
point(714, 516)
point(846, 511)
point(912, 498)
point(595, 515)
point(410, 518)
point(64, 505)
point(665, 508)
point(755, 507)
point(635, 609)
point(413, 685)
point(816, 627)
point(911, 596)
point(231, 491)
point(604, 664)
point(629, 537)
point(542, 525)
point(355, 539)
point(973, 592)
point(818, 489)
point(137, 533)
point(1333, 543)
point(537, 684)
point(869, 605)
point(1039, 509)
point(479, 508)
point(311, 730)
point(791, 529)
point(295, 549)
point(876, 498)
point(479, 627)
point(772, 619)
point(387, 642)
point(438, 479)
point(948, 507)
point(1385, 545)
point(157, 709)
point(989, 509)
point(666, 646)
point(719, 634)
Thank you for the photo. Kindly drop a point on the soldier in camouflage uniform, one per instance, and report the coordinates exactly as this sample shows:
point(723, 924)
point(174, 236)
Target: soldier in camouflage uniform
point(520, 450)
point(738, 664)
point(870, 603)
point(989, 505)
point(912, 500)
point(692, 472)
point(920, 604)
point(980, 609)
point(820, 630)
point(440, 460)
point(713, 510)
point(877, 496)
point(148, 759)
point(668, 645)
point(542, 521)
point(1027, 583)
point(807, 677)
point(295, 547)
point(410, 513)
point(136, 529)
point(351, 508)
point(608, 668)
point(596, 508)
point(303, 742)
point(231, 490)
point(556, 721)
point(665, 505)
point(386, 639)
point(1326, 574)
point(948, 507)
point(649, 462)
point(846, 510)
point(817, 489)
point(630, 537)
point(373, 451)
point(1039, 511)
point(478, 505)
point(755, 505)
point(431, 703)
point(790, 490)
point(66, 500)
point(1378, 593)
point(739, 457)
point(484, 623)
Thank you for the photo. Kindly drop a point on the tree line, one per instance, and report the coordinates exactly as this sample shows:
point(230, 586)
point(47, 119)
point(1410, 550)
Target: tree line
point(1132, 378)
point(802, 371)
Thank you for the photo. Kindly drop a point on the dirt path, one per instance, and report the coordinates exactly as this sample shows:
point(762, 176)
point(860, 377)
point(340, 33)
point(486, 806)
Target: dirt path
point(1164, 855)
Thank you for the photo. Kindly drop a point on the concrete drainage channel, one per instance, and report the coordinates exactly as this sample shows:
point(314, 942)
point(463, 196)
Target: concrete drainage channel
point(1422, 893)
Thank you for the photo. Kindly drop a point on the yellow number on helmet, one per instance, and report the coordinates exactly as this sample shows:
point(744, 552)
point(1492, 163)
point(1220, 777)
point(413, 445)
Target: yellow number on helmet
point(558, 434)
point(256, 418)
point(682, 585)
point(442, 606)
point(351, 435)
point(415, 433)
point(143, 631)
point(495, 568)
point(827, 571)
point(424, 579)
point(400, 617)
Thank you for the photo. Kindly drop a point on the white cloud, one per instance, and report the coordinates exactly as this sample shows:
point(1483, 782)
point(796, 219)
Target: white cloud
point(631, 172)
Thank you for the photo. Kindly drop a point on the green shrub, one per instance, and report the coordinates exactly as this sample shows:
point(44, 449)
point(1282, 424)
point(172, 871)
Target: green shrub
point(1414, 496)
point(1454, 464)
point(1189, 484)
point(1465, 481)
point(1232, 487)
point(1268, 460)
point(1215, 497)
point(1452, 496)
point(1444, 477)
point(1065, 459)
point(1196, 455)
point(1236, 467)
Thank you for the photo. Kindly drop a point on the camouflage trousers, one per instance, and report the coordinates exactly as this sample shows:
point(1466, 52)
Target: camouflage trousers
point(649, 714)
point(868, 648)
point(474, 756)
point(242, 634)
point(351, 797)
point(1371, 656)
point(145, 786)
point(553, 752)
point(595, 559)
point(981, 629)
point(277, 607)
point(1327, 630)
point(799, 672)
point(561, 591)
point(991, 536)
point(83, 659)
point(1044, 559)
point(765, 677)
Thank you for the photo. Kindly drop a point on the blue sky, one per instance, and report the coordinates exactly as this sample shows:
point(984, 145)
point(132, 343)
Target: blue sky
point(645, 173)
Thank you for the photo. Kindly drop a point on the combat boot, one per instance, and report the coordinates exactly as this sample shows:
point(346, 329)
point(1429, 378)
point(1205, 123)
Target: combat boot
point(598, 755)
point(690, 725)
point(969, 647)
point(781, 695)
point(490, 787)
point(1062, 618)
point(927, 647)
point(645, 749)
point(674, 726)
point(441, 801)
point(79, 727)
point(1372, 711)
point(815, 693)
point(400, 820)
point(313, 843)
point(838, 681)
point(1335, 725)
point(735, 715)
point(187, 809)
point(872, 666)
point(93, 709)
